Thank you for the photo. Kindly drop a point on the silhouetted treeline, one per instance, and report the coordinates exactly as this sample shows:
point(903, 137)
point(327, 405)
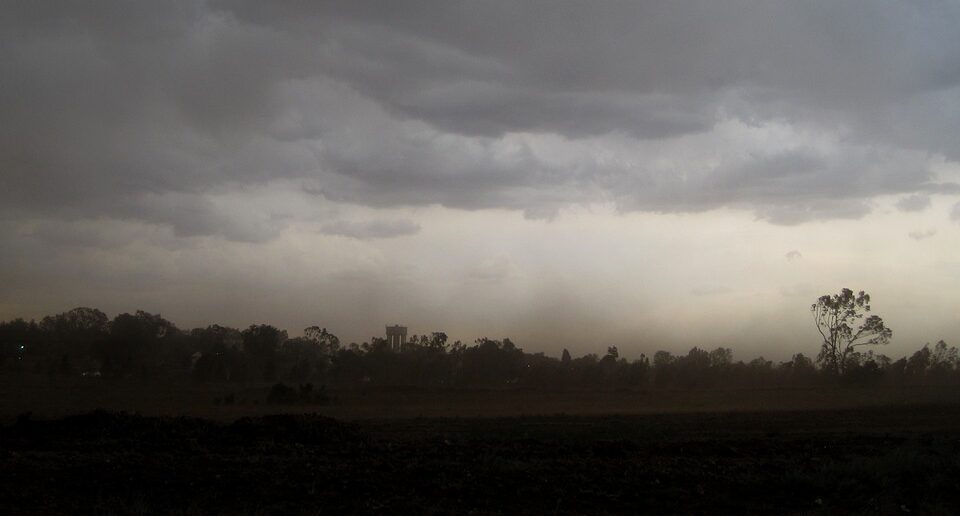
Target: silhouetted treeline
point(85, 342)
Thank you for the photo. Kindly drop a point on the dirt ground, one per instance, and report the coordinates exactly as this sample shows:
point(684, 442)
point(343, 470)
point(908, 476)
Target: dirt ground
point(893, 459)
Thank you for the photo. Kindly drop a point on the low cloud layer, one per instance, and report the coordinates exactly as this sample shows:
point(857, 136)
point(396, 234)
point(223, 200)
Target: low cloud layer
point(369, 229)
point(916, 202)
point(922, 235)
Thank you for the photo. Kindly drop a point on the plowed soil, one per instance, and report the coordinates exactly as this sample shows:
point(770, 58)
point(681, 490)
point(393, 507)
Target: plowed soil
point(891, 460)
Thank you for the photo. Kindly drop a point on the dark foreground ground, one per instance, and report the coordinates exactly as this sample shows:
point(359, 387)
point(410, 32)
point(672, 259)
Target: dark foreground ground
point(888, 460)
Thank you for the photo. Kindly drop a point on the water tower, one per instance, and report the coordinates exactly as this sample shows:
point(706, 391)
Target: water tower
point(397, 337)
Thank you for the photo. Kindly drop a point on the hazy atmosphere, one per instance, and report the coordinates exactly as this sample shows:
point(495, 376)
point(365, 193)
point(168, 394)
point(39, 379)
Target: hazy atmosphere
point(565, 175)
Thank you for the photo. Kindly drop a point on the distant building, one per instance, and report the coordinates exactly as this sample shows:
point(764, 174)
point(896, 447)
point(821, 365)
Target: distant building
point(397, 337)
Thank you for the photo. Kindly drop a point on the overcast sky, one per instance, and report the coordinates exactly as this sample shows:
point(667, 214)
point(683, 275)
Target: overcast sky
point(646, 175)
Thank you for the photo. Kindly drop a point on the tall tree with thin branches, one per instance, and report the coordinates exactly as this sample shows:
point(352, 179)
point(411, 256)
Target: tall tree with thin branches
point(844, 325)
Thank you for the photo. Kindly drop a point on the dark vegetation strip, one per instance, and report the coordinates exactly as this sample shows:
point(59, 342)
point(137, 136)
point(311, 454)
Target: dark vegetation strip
point(85, 343)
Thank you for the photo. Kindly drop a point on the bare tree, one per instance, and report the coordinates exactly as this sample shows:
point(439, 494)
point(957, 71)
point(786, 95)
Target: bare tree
point(842, 322)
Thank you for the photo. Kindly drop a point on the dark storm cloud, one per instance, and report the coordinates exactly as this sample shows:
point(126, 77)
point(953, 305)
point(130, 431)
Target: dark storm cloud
point(135, 111)
point(124, 110)
point(502, 66)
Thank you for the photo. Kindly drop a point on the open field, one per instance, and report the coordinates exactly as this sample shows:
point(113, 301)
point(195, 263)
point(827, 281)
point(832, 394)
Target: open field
point(891, 460)
point(46, 398)
point(388, 451)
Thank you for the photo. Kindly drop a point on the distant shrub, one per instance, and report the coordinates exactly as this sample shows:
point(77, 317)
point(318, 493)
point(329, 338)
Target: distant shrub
point(229, 399)
point(282, 394)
